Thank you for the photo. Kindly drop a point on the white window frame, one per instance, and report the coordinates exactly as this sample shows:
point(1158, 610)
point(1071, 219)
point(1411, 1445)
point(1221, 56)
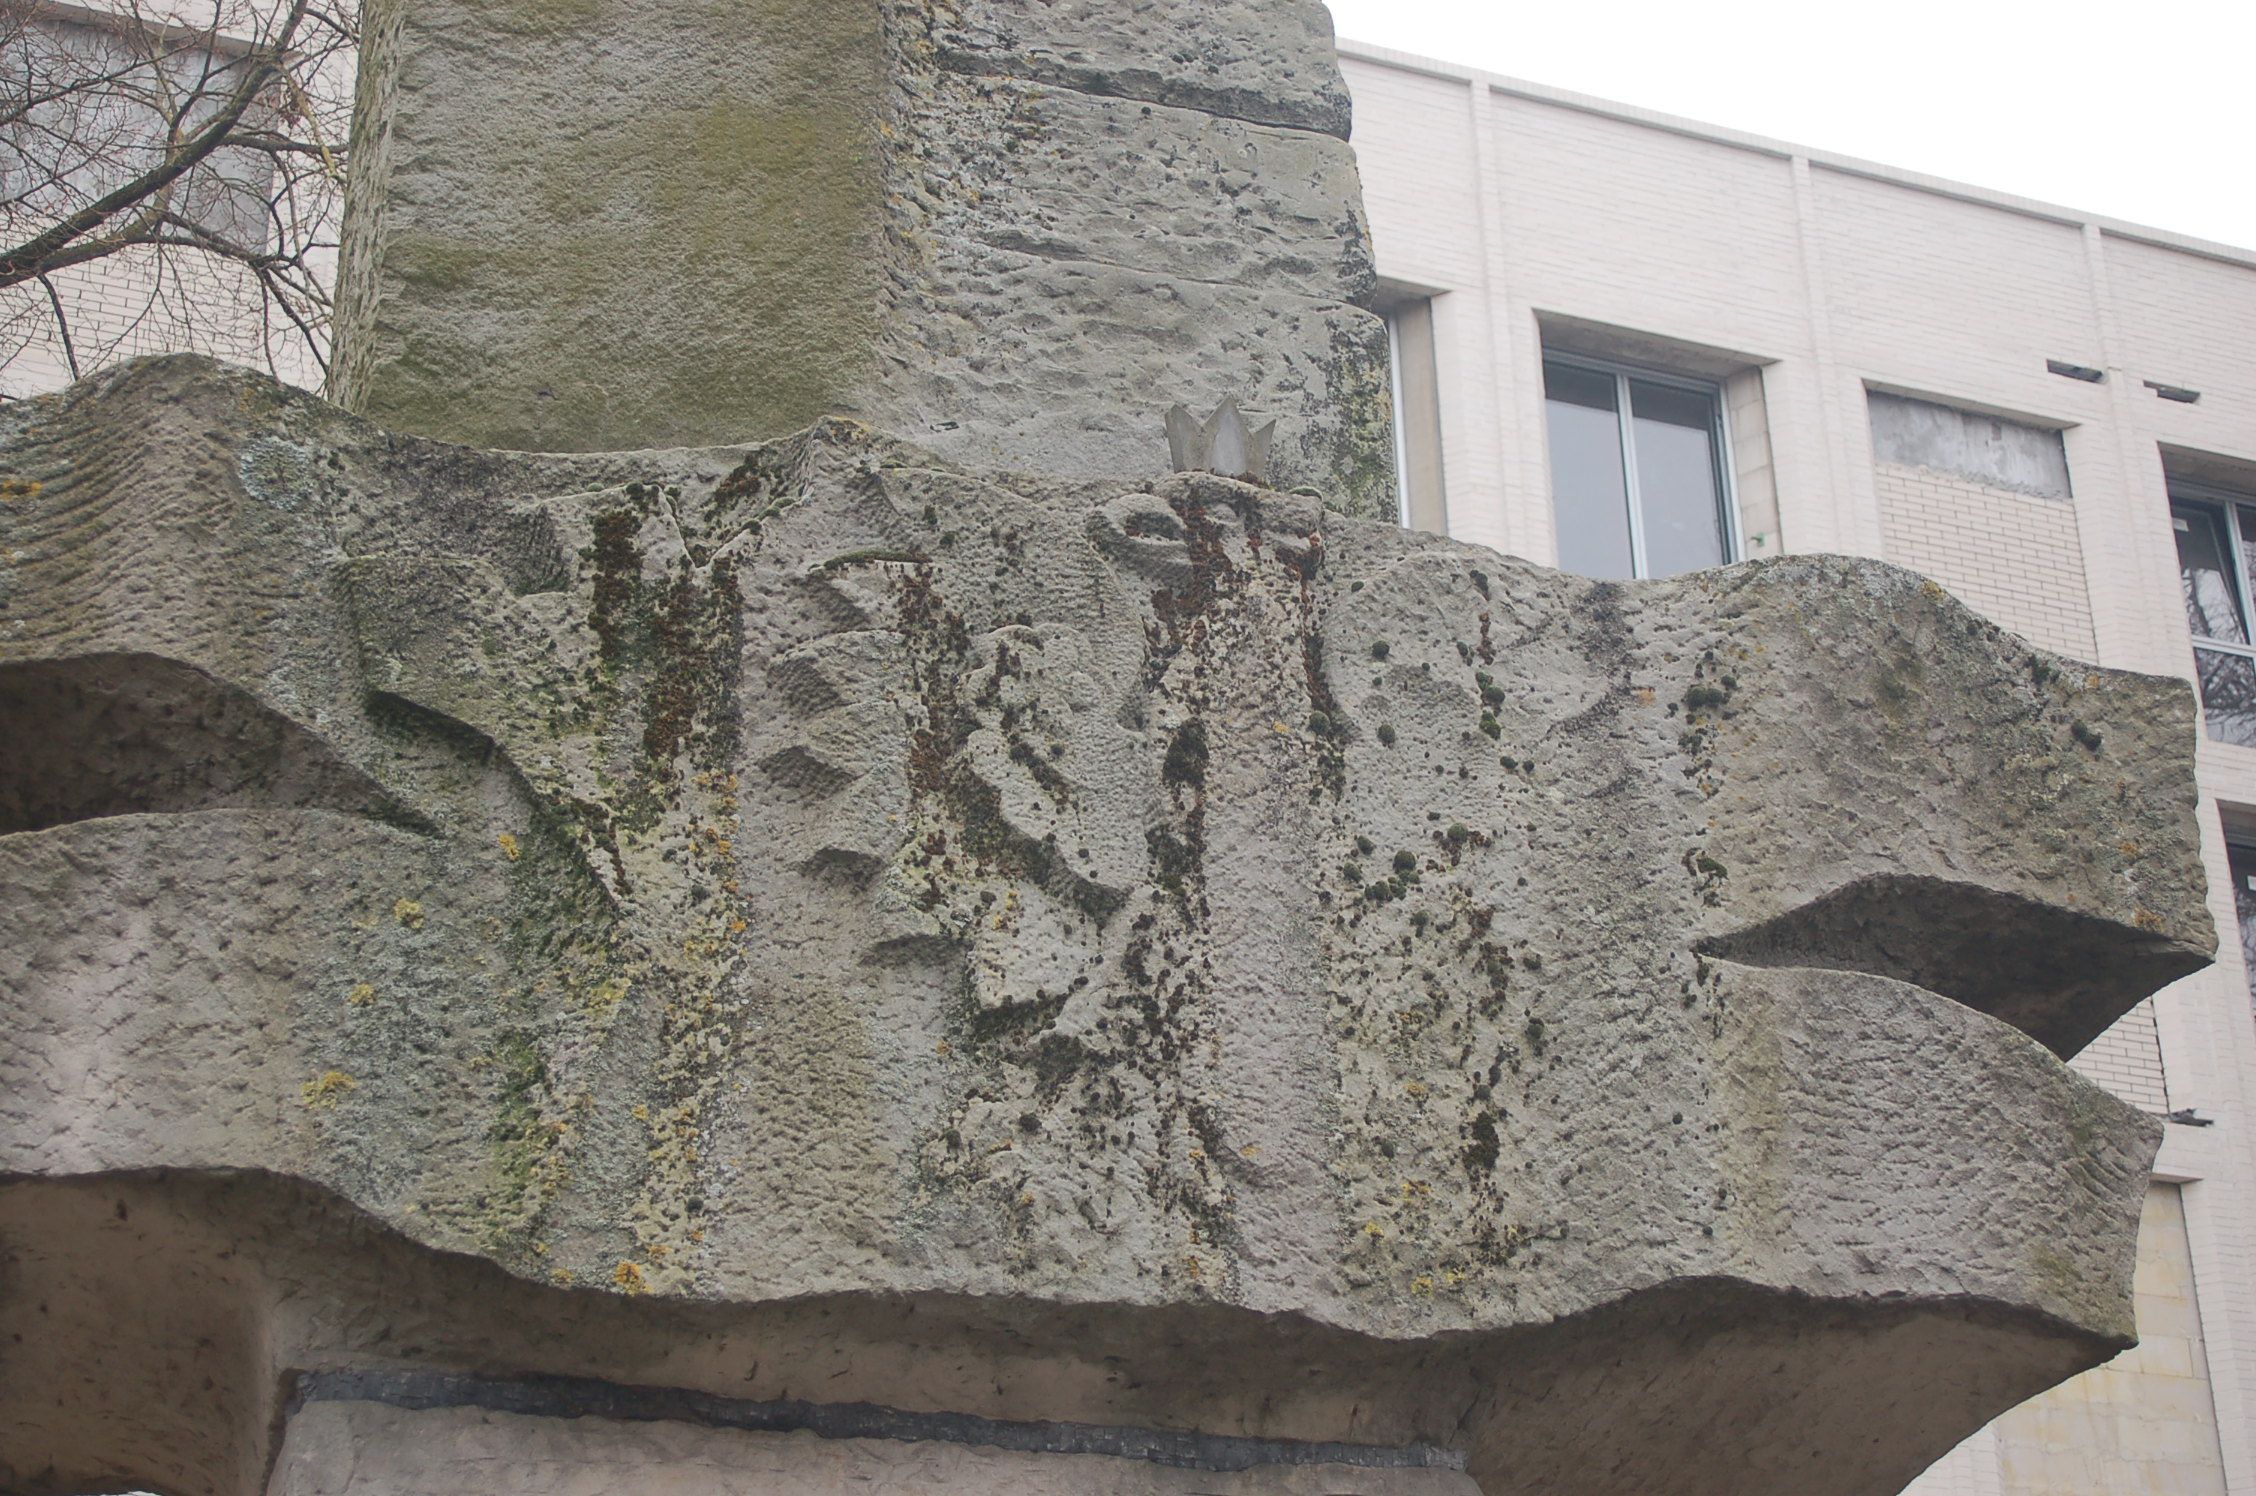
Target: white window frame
point(1727, 487)
point(1401, 441)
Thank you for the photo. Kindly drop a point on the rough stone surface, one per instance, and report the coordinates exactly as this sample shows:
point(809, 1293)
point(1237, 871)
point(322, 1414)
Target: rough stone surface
point(1245, 59)
point(803, 919)
point(1013, 232)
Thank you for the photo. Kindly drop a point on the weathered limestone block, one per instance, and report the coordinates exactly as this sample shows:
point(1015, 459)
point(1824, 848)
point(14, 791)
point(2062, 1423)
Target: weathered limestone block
point(801, 925)
point(1013, 232)
point(588, 224)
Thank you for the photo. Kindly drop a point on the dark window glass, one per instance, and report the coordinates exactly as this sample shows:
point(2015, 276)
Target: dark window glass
point(2243, 859)
point(2213, 554)
point(1589, 494)
point(1678, 489)
point(2228, 695)
point(2206, 572)
point(2244, 518)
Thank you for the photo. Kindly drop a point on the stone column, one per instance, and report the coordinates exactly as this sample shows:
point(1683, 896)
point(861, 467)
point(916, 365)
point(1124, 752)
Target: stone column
point(1013, 231)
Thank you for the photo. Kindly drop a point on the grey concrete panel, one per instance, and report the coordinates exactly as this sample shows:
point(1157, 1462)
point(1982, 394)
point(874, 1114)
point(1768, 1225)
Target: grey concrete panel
point(1979, 448)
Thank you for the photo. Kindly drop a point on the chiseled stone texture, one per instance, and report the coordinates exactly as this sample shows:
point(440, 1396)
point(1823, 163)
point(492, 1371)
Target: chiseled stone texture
point(1009, 231)
point(805, 919)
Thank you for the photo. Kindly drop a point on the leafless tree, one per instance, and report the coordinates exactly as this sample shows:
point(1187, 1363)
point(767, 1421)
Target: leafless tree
point(171, 176)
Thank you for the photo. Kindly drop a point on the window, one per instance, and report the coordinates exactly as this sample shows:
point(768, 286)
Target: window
point(1637, 470)
point(1417, 409)
point(2216, 531)
point(2241, 856)
point(89, 103)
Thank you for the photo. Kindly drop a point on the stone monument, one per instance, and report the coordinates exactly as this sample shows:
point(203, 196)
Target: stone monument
point(803, 963)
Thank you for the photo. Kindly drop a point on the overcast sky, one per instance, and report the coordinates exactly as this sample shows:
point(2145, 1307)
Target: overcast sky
point(2144, 112)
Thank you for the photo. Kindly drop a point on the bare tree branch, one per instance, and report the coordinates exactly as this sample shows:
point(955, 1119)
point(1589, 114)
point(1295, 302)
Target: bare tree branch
point(62, 327)
point(171, 180)
point(183, 155)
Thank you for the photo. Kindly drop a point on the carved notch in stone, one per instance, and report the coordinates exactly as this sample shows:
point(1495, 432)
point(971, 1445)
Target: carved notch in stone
point(1222, 443)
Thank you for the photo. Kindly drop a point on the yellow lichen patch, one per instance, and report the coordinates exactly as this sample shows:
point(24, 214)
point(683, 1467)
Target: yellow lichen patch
point(2147, 919)
point(1422, 1285)
point(607, 996)
point(560, 1276)
point(13, 490)
point(1373, 1228)
point(408, 913)
point(639, 1112)
point(362, 995)
point(321, 1094)
point(1251, 1150)
point(628, 1278)
point(509, 847)
point(1932, 591)
point(656, 1251)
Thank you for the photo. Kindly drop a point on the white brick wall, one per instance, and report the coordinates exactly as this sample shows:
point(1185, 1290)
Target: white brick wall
point(2127, 1060)
point(1523, 206)
point(124, 307)
point(2016, 559)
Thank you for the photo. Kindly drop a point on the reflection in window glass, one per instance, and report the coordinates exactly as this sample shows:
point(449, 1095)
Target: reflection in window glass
point(1588, 492)
point(1636, 471)
point(2214, 565)
point(2205, 570)
point(2228, 695)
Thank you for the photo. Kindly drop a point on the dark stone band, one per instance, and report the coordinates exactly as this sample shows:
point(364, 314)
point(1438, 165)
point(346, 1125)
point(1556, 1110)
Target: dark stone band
point(572, 1397)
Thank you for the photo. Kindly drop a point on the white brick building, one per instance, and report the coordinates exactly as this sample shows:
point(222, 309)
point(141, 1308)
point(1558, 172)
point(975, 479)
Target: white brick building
point(2004, 395)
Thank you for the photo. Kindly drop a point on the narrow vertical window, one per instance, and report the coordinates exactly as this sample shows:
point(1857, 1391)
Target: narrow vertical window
point(1589, 493)
point(1638, 483)
point(1679, 476)
point(1417, 414)
point(2242, 858)
point(2216, 534)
